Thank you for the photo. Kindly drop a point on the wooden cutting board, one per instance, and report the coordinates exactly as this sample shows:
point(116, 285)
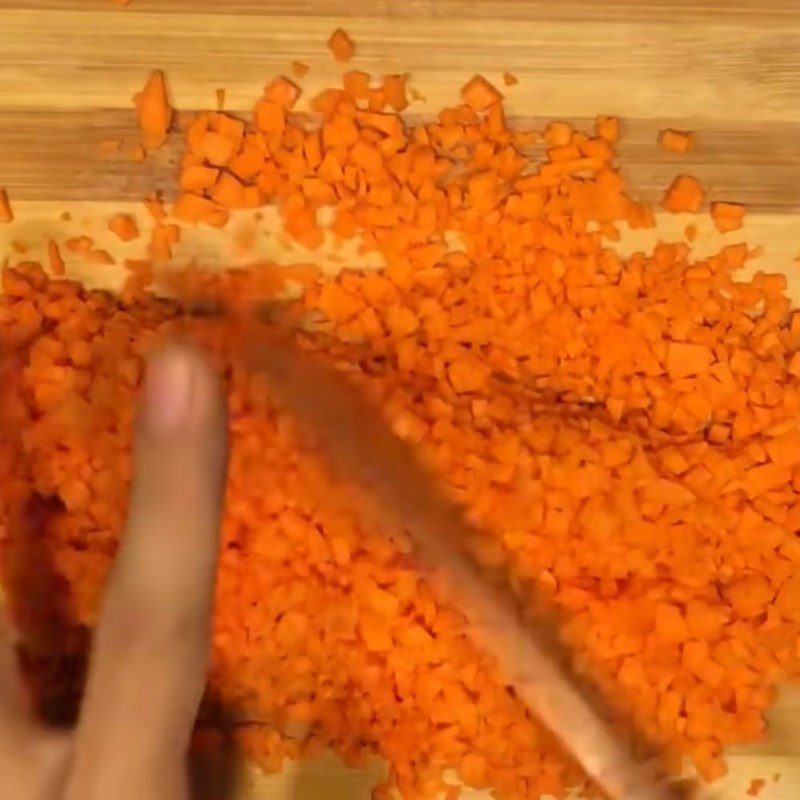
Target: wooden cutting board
point(728, 69)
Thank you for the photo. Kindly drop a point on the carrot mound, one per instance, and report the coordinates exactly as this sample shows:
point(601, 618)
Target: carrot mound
point(625, 431)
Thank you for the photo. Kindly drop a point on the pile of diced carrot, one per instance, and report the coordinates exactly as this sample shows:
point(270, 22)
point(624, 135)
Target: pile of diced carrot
point(625, 430)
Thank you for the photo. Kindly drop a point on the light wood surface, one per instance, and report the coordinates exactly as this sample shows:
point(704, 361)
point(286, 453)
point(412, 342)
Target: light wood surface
point(729, 69)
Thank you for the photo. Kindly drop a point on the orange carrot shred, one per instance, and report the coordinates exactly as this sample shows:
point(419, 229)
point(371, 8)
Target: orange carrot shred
point(394, 91)
point(299, 69)
point(356, 84)
point(99, 256)
point(607, 128)
point(56, 261)
point(341, 45)
point(727, 216)
point(80, 244)
point(155, 207)
point(6, 215)
point(685, 194)
point(153, 111)
point(282, 92)
point(162, 239)
point(124, 227)
point(509, 79)
point(676, 141)
point(479, 94)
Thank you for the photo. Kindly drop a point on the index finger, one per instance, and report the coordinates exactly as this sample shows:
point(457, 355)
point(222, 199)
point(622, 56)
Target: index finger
point(150, 652)
point(16, 723)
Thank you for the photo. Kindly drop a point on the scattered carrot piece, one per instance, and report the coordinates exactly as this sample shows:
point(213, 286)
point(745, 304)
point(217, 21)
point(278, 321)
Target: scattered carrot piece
point(756, 787)
point(509, 79)
point(558, 134)
point(394, 91)
point(155, 207)
point(676, 141)
point(80, 244)
point(685, 194)
point(124, 227)
point(356, 84)
point(57, 266)
point(727, 216)
point(282, 92)
point(153, 111)
point(607, 128)
point(162, 239)
point(299, 69)
point(341, 45)
point(220, 96)
point(479, 94)
point(99, 256)
point(6, 215)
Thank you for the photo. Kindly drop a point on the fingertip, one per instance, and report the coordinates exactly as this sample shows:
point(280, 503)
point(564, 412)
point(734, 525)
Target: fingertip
point(181, 393)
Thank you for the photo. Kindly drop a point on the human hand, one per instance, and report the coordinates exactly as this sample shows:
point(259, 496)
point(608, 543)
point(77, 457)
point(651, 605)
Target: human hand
point(150, 649)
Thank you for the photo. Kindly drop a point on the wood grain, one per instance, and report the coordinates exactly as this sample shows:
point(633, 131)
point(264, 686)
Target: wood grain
point(582, 11)
point(760, 168)
point(729, 69)
point(635, 67)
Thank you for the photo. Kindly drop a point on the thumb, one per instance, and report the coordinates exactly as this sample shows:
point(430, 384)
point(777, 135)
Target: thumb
point(151, 647)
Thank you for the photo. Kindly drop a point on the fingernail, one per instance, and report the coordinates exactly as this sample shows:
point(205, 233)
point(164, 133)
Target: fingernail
point(168, 387)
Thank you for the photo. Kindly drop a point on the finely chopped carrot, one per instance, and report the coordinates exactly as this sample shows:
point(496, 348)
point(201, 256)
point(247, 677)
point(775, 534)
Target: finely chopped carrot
point(676, 141)
point(341, 45)
point(624, 431)
point(479, 94)
point(124, 227)
point(685, 193)
point(727, 216)
point(6, 215)
point(56, 261)
point(153, 111)
point(79, 244)
point(299, 69)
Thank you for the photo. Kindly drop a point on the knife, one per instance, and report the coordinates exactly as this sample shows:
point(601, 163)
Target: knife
point(356, 440)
